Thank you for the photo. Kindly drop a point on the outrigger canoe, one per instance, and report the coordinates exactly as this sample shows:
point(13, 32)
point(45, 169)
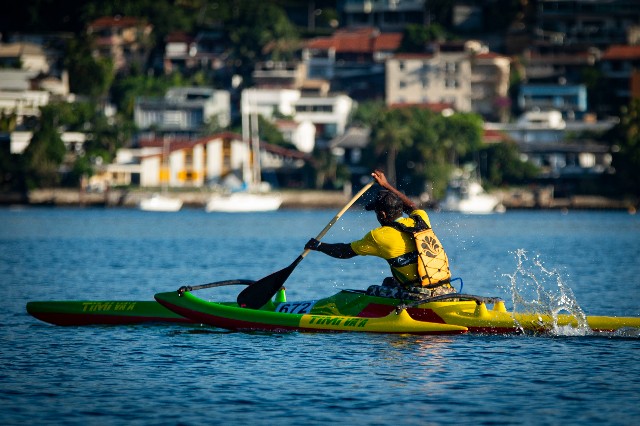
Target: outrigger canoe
point(112, 312)
point(354, 310)
point(348, 310)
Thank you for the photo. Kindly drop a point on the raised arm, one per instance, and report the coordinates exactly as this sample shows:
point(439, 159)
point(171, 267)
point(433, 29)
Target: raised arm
point(379, 177)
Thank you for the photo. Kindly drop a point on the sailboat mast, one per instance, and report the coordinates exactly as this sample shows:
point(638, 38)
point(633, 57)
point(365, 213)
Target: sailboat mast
point(246, 164)
point(165, 175)
point(255, 143)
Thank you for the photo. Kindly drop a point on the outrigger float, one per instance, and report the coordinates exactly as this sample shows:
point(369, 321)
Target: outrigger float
point(108, 312)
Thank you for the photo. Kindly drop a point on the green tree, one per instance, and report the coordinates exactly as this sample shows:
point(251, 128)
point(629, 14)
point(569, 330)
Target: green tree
point(418, 147)
point(626, 139)
point(45, 152)
point(250, 27)
point(270, 133)
point(392, 134)
point(87, 75)
point(461, 135)
point(416, 37)
point(125, 90)
point(8, 121)
point(165, 15)
point(504, 165)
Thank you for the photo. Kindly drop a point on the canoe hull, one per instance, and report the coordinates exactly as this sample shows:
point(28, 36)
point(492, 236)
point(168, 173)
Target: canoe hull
point(110, 312)
point(351, 310)
point(231, 316)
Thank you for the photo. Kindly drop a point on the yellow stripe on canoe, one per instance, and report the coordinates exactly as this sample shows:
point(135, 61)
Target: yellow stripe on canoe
point(392, 323)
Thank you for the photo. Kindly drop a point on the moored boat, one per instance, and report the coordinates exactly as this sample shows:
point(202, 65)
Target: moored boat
point(468, 196)
point(354, 310)
point(160, 203)
point(243, 202)
point(116, 312)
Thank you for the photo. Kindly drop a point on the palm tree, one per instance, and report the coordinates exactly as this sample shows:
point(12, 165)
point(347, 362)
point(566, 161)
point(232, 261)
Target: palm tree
point(391, 134)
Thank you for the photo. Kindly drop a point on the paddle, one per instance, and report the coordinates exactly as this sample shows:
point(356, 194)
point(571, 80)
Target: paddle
point(256, 295)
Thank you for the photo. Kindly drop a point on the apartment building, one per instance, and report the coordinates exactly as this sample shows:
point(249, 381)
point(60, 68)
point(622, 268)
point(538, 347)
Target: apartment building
point(620, 66)
point(183, 111)
point(388, 15)
point(352, 60)
point(572, 25)
point(328, 113)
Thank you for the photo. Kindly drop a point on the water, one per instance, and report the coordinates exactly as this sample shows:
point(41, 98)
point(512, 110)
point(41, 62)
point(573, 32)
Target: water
point(169, 375)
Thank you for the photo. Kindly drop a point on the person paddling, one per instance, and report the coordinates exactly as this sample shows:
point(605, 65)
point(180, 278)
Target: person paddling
point(419, 265)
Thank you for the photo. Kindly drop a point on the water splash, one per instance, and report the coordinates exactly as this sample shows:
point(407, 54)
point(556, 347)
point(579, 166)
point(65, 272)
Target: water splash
point(532, 292)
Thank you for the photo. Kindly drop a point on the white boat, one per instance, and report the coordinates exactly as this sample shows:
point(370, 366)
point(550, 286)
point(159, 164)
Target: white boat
point(468, 196)
point(160, 203)
point(254, 195)
point(243, 202)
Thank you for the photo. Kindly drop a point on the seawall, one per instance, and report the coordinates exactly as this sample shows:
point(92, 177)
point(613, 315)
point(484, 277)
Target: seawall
point(292, 199)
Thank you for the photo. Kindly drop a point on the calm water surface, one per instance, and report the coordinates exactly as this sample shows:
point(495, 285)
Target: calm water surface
point(169, 375)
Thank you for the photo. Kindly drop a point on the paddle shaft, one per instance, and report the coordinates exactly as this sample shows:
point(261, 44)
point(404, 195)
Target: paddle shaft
point(259, 293)
point(340, 213)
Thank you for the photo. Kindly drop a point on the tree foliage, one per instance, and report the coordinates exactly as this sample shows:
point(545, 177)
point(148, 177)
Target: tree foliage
point(421, 148)
point(418, 147)
point(88, 75)
point(626, 139)
point(250, 27)
point(45, 152)
point(416, 37)
point(504, 165)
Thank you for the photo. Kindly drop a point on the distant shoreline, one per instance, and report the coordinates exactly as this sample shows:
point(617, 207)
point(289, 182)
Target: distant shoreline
point(292, 199)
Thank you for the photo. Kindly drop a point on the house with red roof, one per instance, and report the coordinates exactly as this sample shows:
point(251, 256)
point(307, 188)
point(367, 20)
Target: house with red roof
point(195, 163)
point(123, 39)
point(620, 66)
point(352, 59)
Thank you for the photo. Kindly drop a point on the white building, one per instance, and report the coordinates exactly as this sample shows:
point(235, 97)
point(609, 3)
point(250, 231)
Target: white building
point(301, 134)
point(193, 163)
point(24, 103)
point(465, 76)
point(180, 163)
point(542, 138)
point(423, 78)
point(73, 141)
point(184, 110)
point(329, 113)
point(25, 89)
point(28, 56)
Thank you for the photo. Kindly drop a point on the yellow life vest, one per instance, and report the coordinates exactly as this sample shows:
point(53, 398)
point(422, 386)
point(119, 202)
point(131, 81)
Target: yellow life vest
point(432, 261)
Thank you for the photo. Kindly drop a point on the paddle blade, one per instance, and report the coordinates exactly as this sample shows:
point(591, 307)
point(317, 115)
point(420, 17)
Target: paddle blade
point(259, 293)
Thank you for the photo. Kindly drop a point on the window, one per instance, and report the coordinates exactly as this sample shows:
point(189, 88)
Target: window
point(451, 67)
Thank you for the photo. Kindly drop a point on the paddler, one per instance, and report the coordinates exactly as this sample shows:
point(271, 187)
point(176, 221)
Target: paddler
point(395, 241)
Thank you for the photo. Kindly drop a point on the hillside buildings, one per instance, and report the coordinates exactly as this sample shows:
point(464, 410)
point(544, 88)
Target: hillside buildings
point(125, 40)
point(571, 48)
